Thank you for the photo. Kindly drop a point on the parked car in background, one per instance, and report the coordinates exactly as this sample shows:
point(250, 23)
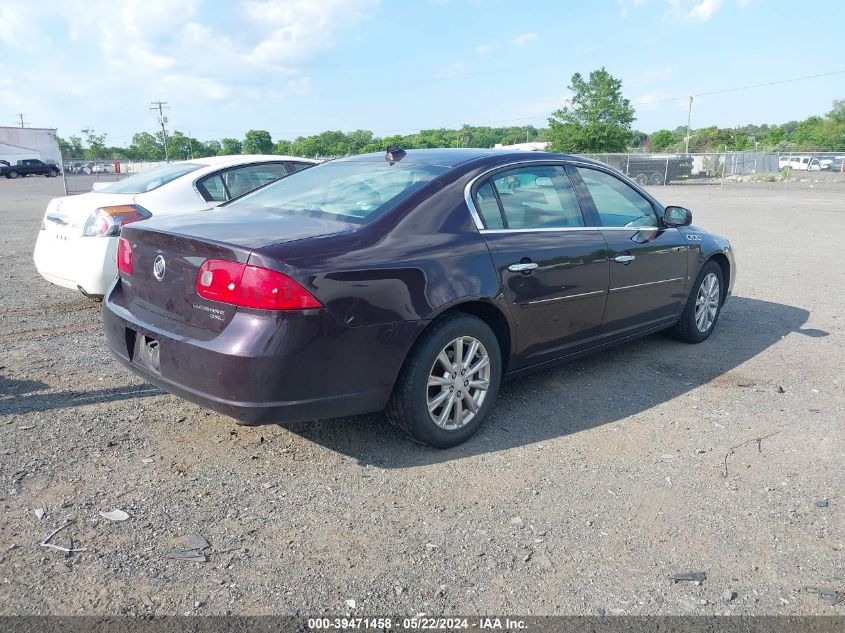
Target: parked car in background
point(102, 168)
point(31, 167)
point(832, 163)
point(77, 244)
point(799, 163)
point(408, 281)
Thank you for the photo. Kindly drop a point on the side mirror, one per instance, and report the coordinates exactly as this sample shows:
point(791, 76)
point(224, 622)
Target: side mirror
point(677, 216)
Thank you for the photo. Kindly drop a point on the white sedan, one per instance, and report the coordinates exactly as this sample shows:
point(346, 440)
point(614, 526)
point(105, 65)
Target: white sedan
point(77, 244)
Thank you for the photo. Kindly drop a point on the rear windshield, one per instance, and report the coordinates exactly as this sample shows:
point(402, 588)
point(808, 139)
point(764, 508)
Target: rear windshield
point(150, 179)
point(356, 191)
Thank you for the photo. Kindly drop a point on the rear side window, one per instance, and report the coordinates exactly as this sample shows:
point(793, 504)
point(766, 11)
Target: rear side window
point(237, 181)
point(485, 199)
point(617, 203)
point(298, 166)
point(150, 179)
point(536, 197)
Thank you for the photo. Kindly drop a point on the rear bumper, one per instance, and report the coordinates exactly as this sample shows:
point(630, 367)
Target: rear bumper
point(265, 367)
point(80, 263)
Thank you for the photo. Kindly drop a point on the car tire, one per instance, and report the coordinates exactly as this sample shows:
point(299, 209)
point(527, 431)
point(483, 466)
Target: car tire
point(700, 312)
point(413, 394)
point(12, 174)
point(641, 179)
point(657, 179)
point(52, 173)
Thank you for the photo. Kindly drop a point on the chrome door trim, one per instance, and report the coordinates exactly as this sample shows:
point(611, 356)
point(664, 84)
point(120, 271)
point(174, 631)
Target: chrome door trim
point(578, 296)
point(650, 283)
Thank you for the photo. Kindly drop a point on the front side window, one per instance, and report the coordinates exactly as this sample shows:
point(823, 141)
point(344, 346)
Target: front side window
point(535, 197)
point(359, 191)
point(617, 203)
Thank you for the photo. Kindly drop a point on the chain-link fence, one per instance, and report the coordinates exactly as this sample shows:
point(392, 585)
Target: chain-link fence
point(82, 174)
point(719, 168)
point(728, 167)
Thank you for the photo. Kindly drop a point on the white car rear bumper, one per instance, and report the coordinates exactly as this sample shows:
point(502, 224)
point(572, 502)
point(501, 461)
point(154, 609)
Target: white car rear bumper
point(88, 264)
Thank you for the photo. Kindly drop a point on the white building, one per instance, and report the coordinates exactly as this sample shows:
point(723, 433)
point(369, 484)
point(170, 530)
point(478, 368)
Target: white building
point(535, 146)
point(18, 143)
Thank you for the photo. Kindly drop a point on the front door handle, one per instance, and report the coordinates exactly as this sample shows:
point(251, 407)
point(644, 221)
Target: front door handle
point(522, 267)
point(624, 259)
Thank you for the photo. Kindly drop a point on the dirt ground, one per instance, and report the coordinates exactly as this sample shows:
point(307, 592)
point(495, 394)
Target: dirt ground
point(591, 486)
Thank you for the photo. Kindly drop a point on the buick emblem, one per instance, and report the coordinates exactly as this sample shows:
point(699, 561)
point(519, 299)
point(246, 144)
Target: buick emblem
point(158, 267)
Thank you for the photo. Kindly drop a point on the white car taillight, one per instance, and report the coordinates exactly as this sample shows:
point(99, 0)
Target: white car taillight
point(106, 221)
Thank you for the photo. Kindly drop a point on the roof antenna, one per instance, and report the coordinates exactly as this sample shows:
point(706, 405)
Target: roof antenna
point(394, 154)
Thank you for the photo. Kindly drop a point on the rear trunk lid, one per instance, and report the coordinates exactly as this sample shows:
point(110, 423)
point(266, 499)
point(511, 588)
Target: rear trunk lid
point(186, 241)
point(168, 288)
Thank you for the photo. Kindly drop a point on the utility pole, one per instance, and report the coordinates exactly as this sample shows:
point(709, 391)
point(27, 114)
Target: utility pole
point(162, 121)
point(191, 144)
point(689, 118)
point(20, 116)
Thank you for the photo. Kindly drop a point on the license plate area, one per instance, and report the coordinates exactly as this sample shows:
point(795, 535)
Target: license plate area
point(145, 351)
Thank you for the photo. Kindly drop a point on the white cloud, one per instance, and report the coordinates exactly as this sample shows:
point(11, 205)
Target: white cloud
point(524, 38)
point(626, 5)
point(297, 29)
point(483, 49)
point(115, 57)
point(701, 10)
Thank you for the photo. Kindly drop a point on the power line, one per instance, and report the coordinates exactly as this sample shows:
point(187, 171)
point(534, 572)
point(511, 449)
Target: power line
point(160, 104)
point(748, 87)
point(162, 120)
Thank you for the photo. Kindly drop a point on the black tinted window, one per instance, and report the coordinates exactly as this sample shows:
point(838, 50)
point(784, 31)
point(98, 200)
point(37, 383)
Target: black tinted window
point(617, 203)
point(539, 196)
point(237, 181)
point(488, 208)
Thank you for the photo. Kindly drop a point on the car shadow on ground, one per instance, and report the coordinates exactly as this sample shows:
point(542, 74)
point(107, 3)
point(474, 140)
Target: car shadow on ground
point(585, 393)
point(18, 397)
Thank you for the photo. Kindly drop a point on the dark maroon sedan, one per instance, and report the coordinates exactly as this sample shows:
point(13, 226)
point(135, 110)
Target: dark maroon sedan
point(412, 282)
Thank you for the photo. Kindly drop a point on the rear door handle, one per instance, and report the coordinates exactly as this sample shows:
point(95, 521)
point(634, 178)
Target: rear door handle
point(517, 268)
point(624, 259)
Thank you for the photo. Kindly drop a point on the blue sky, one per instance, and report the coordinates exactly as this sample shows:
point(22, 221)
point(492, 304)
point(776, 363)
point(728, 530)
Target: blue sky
point(297, 67)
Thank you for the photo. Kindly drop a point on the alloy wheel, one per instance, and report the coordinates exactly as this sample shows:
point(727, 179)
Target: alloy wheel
point(707, 302)
point(458, 382)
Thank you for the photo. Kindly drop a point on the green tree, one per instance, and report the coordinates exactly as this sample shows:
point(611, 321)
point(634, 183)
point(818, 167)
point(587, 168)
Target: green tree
point(145, 146)
point(214, 148)
point(598, 120)
point(662, 140)
point(96, 144)
point(283, 148)
point(229, 146)
point(257, 142)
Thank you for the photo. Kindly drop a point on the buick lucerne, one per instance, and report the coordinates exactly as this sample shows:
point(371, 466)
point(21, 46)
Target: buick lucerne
point(411, 282)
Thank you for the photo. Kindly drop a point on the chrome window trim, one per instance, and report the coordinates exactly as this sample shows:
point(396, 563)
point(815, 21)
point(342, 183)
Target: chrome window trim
point(473, 210)
point(579, 228)
point(650, 283)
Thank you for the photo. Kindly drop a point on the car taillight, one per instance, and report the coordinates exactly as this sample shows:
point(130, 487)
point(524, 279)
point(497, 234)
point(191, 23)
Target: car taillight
point(124, 256)
point(106, 221)
point(252, 287)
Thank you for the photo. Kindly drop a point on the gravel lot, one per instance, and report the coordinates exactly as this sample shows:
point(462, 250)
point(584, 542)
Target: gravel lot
point(592, 485)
